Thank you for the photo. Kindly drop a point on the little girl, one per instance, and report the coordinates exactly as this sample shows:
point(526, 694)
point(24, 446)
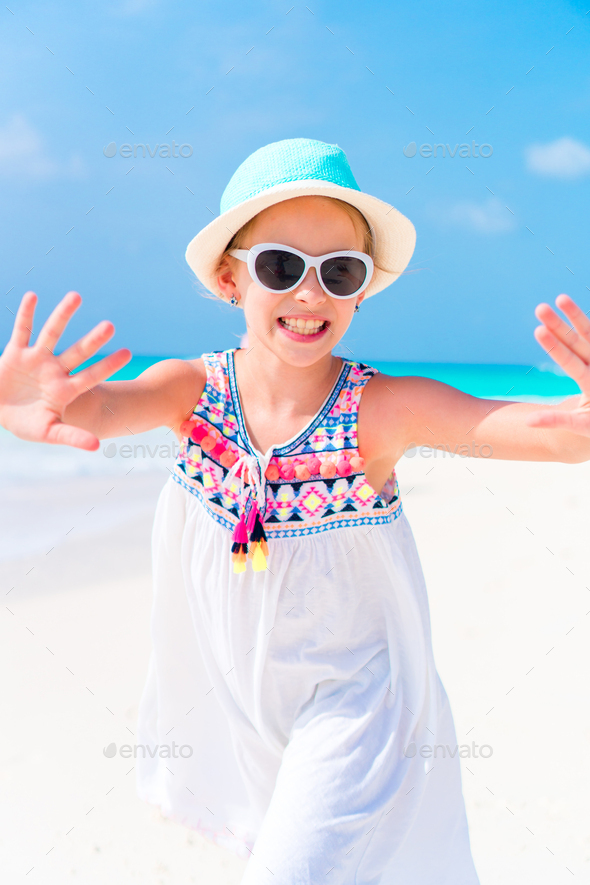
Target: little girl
point(292, 685)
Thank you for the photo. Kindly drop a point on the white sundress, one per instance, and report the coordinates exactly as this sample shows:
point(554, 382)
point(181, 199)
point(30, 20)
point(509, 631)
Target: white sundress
point(292, 714)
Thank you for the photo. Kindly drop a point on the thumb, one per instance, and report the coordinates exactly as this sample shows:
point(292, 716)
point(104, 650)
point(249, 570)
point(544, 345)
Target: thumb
point(577, 421)
point(61, 434)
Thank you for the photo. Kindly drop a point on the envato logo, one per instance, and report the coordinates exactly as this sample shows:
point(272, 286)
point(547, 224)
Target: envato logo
point(465, 450)
point(465, 150)
point(465, 751)
point(128, 150)
point(165, 751)
point(127, 451)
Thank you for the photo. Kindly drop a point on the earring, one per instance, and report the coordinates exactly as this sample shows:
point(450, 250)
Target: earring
point(234, 301)
point(356, 308)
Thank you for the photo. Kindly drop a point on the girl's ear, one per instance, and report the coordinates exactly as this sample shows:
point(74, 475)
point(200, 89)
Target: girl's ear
point(226, 283)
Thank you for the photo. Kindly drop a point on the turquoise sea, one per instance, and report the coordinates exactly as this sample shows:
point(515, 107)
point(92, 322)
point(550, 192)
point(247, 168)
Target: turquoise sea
point(519, 382)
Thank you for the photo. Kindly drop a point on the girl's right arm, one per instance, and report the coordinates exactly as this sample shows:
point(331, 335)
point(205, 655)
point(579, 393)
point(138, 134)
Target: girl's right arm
point(40, 400)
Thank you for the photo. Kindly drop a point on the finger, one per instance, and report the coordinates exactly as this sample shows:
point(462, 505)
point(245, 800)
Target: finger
point(567, 334)
point(97, 372)
point(575, 315)
point(23, 323)
point(87, 346)
point(58, 320)
point(571, 364)
point(577, 421)
point(67, 435)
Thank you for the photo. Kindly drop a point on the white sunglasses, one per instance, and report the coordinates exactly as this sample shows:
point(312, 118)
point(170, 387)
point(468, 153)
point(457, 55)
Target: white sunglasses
point(278, 268)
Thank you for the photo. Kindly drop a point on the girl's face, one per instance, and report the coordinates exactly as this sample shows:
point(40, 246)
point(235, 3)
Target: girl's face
point(314, 225)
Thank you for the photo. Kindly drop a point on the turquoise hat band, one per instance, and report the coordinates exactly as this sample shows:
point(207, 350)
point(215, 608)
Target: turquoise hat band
point(284, 171)
point(295, 159)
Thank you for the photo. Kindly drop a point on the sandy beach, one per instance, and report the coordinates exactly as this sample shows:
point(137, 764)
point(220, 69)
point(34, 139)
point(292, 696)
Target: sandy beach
point(504, 547)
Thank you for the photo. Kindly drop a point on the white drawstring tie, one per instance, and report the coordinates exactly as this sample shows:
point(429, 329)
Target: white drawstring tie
point(249, 539)
point(250, 462)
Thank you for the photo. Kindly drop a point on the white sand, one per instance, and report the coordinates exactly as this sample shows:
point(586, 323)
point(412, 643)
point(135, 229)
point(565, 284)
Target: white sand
point(501, 604)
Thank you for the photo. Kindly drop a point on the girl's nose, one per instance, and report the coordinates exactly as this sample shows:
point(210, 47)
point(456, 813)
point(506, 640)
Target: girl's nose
point(309, 290)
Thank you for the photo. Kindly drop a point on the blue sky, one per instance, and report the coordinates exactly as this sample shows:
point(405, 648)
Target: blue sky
point(495, 235)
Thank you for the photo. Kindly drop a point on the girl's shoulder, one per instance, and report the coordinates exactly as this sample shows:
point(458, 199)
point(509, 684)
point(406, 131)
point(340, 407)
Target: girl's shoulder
point(181, 381)
point(385, 388)
point(388, 410)
point(195, 376)
point(197, 371)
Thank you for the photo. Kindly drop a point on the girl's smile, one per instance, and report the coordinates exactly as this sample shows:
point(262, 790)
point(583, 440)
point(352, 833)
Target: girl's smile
point(302, 328)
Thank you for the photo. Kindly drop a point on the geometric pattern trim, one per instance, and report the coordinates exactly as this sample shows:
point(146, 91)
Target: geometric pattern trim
point(293, 506)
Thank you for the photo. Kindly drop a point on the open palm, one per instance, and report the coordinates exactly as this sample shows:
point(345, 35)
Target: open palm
point(35, 383)
point(569, 347)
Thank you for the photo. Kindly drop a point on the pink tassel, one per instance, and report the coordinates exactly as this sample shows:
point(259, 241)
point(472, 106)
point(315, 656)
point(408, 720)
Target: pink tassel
point(240, 532)
point(252, 518)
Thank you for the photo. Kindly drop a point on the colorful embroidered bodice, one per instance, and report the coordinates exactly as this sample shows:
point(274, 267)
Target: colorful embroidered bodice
point(313, 483)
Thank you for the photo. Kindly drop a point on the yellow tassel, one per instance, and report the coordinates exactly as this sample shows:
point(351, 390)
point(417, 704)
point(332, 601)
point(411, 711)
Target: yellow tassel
point(239, 566)
point(258, 559)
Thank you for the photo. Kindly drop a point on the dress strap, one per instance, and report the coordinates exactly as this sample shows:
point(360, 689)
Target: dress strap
point(349, 398)
point(215, 405)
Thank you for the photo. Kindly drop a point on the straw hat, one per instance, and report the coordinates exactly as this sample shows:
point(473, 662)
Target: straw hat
point(300, 167)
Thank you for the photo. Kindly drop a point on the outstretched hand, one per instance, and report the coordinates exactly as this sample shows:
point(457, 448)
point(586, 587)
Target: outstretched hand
point(569, 347)
point(36, 385)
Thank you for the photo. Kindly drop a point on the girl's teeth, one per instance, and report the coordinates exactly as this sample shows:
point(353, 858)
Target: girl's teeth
point(301, 326)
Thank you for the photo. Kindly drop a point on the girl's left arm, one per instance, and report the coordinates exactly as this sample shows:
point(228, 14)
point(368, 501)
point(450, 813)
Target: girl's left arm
point(406, 412)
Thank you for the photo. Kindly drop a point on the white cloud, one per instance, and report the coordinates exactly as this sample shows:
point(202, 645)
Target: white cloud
point(21, 149)
point(563, 158)
point(489, 217)
point(22, 153)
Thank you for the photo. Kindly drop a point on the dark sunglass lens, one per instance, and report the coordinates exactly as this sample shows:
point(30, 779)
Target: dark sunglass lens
point(343, 275)
point(279, 270)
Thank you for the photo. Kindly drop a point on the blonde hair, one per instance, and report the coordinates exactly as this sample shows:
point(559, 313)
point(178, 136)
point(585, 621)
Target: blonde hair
point(361, 225)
